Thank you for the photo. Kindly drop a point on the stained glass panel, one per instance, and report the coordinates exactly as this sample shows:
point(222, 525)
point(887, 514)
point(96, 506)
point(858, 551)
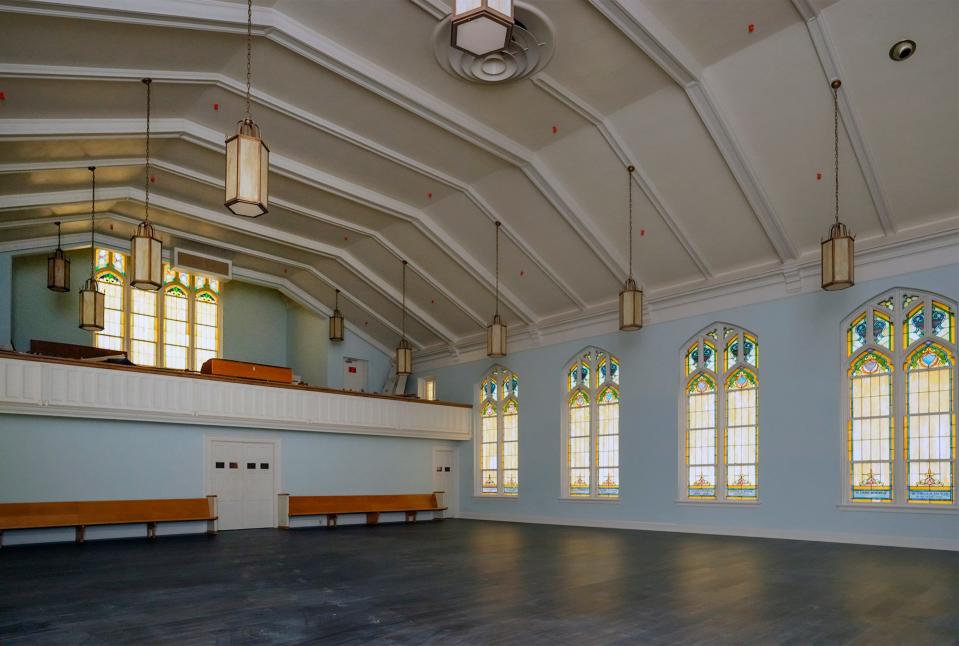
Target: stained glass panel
point(511, 449)
point(143, 328)
point(608, 444)
point(856, 336)
point(943, 322)
point(692, 359)
point(882, 329)
point(579, 449)
point(176, 330)
point(914, 326)
point(732, 351)
point(114, 317)
point(870, 428)
point(205, 325)
point(930, 426)
point(742, 435)
point(701, 437)
point(489, 466)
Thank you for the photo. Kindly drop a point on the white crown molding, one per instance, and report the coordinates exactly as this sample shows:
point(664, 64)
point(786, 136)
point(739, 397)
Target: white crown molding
point(247, 227)
point(44, 129)
point(215, 15)
point(312, 121)
point(724, 530)
point(195, 176)
point(74, 241)
point(916, 249)
point(626, 156)
point(825, 50)
point(649, 35)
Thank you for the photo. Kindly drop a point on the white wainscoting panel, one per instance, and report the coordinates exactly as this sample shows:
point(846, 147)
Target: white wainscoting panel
point(38, 388)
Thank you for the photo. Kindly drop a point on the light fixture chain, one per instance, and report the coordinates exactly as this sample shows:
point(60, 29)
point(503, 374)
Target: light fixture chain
point(835, 135)
point(497, 268)
point(93, 202)
point(249, 53)
point(629, 179)
point(146, 178)
point(403, 327)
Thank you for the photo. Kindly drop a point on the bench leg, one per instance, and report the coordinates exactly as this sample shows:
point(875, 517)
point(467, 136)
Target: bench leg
point(211, 527)
point(331, 520)
point(81, 533)
point(151, 530)
point(411, 516)
point(372, 517)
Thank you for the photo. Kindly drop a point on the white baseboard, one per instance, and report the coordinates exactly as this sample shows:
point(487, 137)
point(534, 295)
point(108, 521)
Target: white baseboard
point(752, 532)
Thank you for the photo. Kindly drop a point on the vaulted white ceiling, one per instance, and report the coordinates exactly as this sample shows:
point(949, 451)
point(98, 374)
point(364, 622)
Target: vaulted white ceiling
point(378, 154)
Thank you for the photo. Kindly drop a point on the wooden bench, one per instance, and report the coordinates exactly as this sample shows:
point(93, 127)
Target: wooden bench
point(88, 513)
point(372, 505)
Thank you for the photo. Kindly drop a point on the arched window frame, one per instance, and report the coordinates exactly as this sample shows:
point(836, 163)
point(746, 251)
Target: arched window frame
point(504, 402)
point(887, 325)
point(713, 355)
point(592, 388)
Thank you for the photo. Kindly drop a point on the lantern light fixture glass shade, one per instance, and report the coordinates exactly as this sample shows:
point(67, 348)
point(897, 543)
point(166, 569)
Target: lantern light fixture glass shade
point(336, 321)
point(496, 338)
point(92, 306)
point(247, 171)
point(146, 258)
point(404, 358)
point(58, 269)
point(838, 251)
point(630, 307)
point(838, 259)
point(480, 27)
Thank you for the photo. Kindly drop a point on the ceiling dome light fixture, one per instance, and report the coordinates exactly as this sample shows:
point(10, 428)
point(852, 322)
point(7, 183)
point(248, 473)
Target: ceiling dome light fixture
point(92, 300)
point(631, 298)
point(902, 50)
point(247, 157)
point(838, 250)
point(496, 331)
point(58, 269)
point(146, 250)
point(336, 320)
point(481, 26)
point(404, 351)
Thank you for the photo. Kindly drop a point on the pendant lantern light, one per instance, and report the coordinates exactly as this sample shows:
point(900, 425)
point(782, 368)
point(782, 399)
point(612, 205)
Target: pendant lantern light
point(496, 331)
point(336, 321)
point(404, 351)
point(58, 269)
point(839, 249)
point(247, 157)
point(631, 298)
point(481, 26)
point(146, 250)
point(92, 300)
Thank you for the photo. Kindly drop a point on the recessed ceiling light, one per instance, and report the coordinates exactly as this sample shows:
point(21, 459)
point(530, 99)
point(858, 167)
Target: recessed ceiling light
point(902, 50)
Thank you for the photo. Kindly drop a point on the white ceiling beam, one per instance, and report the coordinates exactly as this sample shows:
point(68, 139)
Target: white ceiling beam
point(34, 129)
point(46, 244)
point(245, 227)
point(649, 35)
point(271, 23)
point(216, 182)
point(309, 119)
point(626, 157)
point(826, 51)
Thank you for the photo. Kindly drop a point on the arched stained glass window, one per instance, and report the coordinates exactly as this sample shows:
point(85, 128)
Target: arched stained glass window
point(111, 275)
point(498, 454)
point(205, 319)
point(591, 438)
point(901, 395)
point(176, 318)
point(720, 434)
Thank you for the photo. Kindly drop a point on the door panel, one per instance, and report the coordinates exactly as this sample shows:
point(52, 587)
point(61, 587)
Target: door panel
point(242, 477)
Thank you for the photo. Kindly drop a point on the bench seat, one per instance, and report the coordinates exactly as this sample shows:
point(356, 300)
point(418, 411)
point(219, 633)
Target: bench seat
point(371, 505)
point(89, 513)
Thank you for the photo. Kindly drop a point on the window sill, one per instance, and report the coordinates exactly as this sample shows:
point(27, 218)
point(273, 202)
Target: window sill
point(720, 503)
point(602, 501)
point(948, 510)
point(493, 496)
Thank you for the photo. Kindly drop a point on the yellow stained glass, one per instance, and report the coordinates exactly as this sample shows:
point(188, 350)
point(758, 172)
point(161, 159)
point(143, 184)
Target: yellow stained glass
point(870, 429)
point(930, 428)
point(579, 449)
point(176, 328)
point(114, 319)
point(701, 438)
point(742, 436)
point(143, 327)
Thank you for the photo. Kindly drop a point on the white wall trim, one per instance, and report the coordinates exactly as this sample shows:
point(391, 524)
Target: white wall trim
point(721, 530)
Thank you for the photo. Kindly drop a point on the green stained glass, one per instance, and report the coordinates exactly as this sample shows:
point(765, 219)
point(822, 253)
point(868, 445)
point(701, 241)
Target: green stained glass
point(741, 378)
point(929, 355)
point(943, 322)
point(869, 363)
point(578, 399)
point(699, 384)
point(511, 408)
point(608, 395)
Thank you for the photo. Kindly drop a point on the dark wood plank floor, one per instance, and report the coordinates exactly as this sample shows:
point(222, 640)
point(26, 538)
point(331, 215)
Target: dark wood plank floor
point(475, 582)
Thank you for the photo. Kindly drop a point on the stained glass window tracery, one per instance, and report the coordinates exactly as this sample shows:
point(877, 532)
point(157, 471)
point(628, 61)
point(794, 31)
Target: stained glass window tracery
point(498, 456)
point(921, 420)
point(591, 440)
point(721, 419)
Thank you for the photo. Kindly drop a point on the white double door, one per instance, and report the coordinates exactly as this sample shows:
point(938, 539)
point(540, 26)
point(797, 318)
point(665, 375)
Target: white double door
point(242, 476)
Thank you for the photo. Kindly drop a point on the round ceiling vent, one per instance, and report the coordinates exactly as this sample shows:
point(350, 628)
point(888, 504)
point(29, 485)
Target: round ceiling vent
point(902, 50)
point(529, 51)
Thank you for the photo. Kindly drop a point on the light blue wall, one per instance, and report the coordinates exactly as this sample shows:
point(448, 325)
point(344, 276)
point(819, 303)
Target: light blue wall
point(259, 324)
point(38, 313)
point(800, 441)
point(378, 363)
